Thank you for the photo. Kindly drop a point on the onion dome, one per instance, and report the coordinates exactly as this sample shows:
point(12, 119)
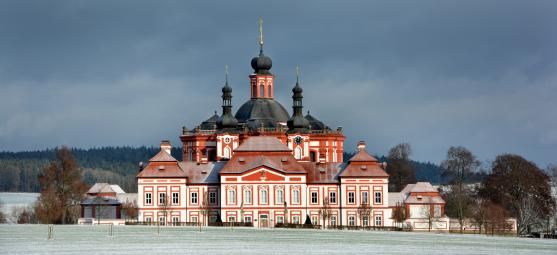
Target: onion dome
point(261, 64)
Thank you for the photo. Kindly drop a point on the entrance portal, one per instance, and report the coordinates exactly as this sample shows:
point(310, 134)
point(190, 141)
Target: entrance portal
point(264, 221)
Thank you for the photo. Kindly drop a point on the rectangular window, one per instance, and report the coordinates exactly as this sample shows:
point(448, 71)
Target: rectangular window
point(148, 198)
point(247, 219)
point(365, 197)
point(314, 220)
point(314, 197)
point(231, 197)
point(296, 219)
point(333, 220)
point(148, 219)
point(280, 197)
point(263, 199)
point(162, 198)
point(175, 198)
point(175, 220)
point(365, 220)
point(351, 197)
point(194, 219)
point(162, 220)
point(296, 196)
point(213, 198)
point(332, 197)
point(351, 221)
point(280, 219)
point(194, 197)
point(378, 221)
point(231, 219)
point(378, 198)
point(247, 196)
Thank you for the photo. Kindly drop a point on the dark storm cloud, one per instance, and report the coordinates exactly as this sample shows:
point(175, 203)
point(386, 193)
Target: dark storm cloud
point(481, 74)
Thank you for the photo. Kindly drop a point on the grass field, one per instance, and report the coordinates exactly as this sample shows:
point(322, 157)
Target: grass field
point(74, 239)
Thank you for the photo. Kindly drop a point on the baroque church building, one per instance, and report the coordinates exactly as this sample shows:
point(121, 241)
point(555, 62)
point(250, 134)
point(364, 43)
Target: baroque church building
point(266, 166)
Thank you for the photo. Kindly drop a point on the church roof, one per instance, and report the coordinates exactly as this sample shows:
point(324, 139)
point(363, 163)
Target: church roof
point(210, 123)
point(262, 143)
point(323, 173)
point(258, 111)
point(282, 163)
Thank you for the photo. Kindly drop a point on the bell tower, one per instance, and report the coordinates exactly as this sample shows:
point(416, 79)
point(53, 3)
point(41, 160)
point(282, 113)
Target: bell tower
point(262, 80)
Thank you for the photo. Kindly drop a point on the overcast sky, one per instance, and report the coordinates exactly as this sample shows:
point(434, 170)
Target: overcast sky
point(481, 74)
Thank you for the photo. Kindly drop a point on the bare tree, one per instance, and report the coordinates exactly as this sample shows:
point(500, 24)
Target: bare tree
point(205, 208)
point(478, 213)
point(325, 211)
point(496, 218)
point(399, 213)
point(459, 165)
point(130, 210)
point(364, 211)
point(400, 170)
point(3, 218)
point(519, 185)
point(429, 214)
point(62, 189)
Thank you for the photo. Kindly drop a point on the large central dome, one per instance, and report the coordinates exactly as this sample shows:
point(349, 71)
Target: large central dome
point(264, 112)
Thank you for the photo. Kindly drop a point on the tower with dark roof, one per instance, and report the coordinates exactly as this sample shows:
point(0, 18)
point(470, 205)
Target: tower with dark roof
point(297, 123)
point(227, 122)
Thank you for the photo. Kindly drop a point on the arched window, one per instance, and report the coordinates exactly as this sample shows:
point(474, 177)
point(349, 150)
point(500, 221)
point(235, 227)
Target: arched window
point(261, 90)
point(269, 90)
point(280, 197)
point(298, 153)
point(254, 91)
point(226, 153)
point(296, 196)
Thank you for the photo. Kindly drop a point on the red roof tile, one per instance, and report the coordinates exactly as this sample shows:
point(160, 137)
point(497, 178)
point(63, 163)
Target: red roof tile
point(282, 162)
point(262, 143)
point(363, 156)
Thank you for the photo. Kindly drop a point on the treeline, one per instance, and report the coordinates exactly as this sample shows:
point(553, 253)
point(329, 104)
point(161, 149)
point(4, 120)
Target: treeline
point(117, 165)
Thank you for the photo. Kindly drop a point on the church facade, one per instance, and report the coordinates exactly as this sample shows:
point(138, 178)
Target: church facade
point(265, 166)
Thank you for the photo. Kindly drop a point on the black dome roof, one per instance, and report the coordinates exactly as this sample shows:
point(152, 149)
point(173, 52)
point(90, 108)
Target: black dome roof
point(261, 64)
point(262, 110)
point(210, 123)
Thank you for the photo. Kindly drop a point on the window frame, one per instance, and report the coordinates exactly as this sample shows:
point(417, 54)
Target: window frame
point(314, 199)
point(332, 197)
point(231, 199)
point(148, 198)
point(351, 197)
point(247, 197)
point(279, 196)
point(376, 197)
point(263, 198)
point(212, 197)
point(175, 198)
point(194, 198)
point(296, 197)
point(365, 197)
point(162, 198)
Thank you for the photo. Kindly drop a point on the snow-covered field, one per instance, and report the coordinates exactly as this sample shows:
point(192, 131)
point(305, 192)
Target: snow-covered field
point(11, 200)
point(32, 239)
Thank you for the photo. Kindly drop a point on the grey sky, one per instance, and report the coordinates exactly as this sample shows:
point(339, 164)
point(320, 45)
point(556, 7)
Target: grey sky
point(481, 74)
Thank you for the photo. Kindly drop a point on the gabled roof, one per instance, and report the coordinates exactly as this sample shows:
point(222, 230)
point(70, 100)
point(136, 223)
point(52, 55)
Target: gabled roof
point(323, 173)
point(206, 173)
point(105, 188)
point(163, 156)
point(419, 187)
point(362, 156)
point(261, 144)
point(364, 170)
point(162, 169)
point(284, 163)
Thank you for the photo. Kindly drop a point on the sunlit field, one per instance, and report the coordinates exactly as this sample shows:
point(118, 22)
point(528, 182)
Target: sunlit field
point(74, 239)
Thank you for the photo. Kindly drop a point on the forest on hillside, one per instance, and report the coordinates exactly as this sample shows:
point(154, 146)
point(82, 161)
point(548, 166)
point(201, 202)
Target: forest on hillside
point(118, 165)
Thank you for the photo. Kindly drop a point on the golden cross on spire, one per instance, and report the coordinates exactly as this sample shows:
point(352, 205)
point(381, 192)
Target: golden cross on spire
point(261, 32)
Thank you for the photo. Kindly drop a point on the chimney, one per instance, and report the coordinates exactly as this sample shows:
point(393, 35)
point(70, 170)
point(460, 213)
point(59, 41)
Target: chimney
point(166, 146)
point(141, 166)
point(361, 145)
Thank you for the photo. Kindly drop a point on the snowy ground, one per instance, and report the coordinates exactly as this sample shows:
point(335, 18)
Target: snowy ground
point(10, 200)
point(32, 239)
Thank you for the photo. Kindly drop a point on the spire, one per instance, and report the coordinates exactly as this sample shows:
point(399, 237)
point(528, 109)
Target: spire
point(227, 120)
point(297, 123)
point(260, 35)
